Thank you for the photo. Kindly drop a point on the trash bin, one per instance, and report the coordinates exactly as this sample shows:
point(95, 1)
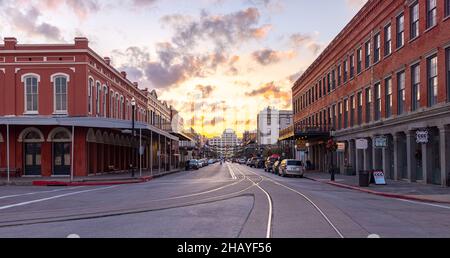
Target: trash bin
point(364, 178)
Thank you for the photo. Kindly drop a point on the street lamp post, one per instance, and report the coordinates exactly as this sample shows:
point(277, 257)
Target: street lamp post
point(332, 148)
point(133, 107)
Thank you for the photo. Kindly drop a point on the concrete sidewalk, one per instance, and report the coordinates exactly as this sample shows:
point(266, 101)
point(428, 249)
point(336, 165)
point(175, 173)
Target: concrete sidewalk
point(393, 189)
point(102, 179)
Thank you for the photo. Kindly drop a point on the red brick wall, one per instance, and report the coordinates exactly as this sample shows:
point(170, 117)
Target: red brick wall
point(373, 17)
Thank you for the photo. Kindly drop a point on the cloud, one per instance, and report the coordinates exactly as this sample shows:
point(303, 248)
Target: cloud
point(355, 4)
point(298, 40)
point(28, 23)
point(141, 3)
point(268, 91)
point(294, 77)
point(222, 30)
point(269, 56)
point(206, 90)
point(82, 8)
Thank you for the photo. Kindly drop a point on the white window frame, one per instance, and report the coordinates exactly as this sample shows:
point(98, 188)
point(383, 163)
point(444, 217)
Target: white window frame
point(53, 78)
point(23, 80)
point(90, 97)
point(105, 97)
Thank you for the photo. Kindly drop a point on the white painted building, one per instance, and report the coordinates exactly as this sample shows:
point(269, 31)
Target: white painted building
point(270, 122)
point(227, 145)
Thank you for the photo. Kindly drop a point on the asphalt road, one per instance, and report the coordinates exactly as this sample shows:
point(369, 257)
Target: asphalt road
point(227, 201)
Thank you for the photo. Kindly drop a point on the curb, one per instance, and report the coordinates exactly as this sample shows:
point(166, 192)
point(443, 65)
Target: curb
point(99, 183)
point(389, 195)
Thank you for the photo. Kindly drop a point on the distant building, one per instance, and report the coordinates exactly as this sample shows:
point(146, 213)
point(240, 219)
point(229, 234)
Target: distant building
point(270, 122)
point(226, 146)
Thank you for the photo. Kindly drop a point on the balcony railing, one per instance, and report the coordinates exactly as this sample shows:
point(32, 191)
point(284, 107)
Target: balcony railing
point(312, 128)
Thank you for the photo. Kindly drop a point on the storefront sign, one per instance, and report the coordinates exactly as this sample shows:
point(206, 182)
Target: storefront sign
point(379, 178)
point(380, 142)
point(422, 137)
point(301, 144)
point(362, 144)
point(341, 146)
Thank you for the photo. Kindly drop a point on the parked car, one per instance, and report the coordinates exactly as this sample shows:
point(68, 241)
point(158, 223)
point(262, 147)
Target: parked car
point(248, 162)
point(258, 163)
point(276, 167)
point(194, 164)
point(292, 167)
point(242, 161)
point(268, 165)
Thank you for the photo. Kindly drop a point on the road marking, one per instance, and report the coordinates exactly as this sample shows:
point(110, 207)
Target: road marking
point(269, 220)
point(374, 236)
point(33, 193)
point(425, 203)
point(52, 198)
point(233, 176)
point(309, 200)
point(73, 236)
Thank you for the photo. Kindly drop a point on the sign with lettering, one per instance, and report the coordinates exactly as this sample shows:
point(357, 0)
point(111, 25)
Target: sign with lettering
point(380, 141)
point(379, 177)
point(341, 146)
point(422, 136)
point(362, 144)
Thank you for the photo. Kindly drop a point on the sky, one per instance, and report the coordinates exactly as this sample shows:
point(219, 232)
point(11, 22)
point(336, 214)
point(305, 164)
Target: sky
point(218, 62)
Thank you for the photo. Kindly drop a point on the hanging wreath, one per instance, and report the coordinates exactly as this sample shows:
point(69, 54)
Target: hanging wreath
point(331, 145)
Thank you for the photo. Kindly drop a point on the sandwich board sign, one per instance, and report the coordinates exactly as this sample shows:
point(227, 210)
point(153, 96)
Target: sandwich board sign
point(379, 177)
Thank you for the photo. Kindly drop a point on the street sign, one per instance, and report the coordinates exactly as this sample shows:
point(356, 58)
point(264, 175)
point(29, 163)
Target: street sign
point(422, 137)
point(380, 141)
point(362, 144)
point(341, 146)
point(379, 177)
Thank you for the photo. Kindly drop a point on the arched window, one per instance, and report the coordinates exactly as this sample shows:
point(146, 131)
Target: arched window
point(31, 93)
point(97, 98)
point(127, 114)
point(60, 83)
point(105, 94)
point(111, 104)
point(90, 89)
point(116, 111)
point(122, 102)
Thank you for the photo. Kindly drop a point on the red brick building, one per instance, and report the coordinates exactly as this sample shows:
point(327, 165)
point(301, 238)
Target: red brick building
point(384, 79)
point(65, 111)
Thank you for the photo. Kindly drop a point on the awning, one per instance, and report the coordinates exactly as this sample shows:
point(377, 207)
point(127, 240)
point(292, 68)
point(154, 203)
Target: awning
point(89, 122)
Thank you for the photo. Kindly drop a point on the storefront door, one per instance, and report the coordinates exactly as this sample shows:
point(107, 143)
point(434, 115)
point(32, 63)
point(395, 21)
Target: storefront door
point(33, 159)
point(61, 159)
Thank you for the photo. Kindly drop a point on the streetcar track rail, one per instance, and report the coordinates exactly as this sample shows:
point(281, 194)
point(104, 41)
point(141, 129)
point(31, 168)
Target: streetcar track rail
point(316, 207)
point(122, 212)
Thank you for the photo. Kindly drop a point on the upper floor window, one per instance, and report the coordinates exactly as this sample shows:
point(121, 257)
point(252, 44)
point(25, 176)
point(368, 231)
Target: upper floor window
point(415, 85)
point(105, 97)
point(401, 92)
point(431, 13)
point(333, 79)
point(339, 75)
point(360, 105)
point(447, 8)
point(97, 97)
point(60, 93)
point(432, 81)
point(359, 60)
point(368, 53)
point(111, 104)
point(414, 10)
point(346, 110)
point(448, 73)
point(389, 100)
point(352, 66)
point(400, 31)
point(31, 94)
point(345, 71)
point(387, 40)
point(368, 104)
point(377, 101)
point(352, 113)
point(377, 46)
point(90, 91)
